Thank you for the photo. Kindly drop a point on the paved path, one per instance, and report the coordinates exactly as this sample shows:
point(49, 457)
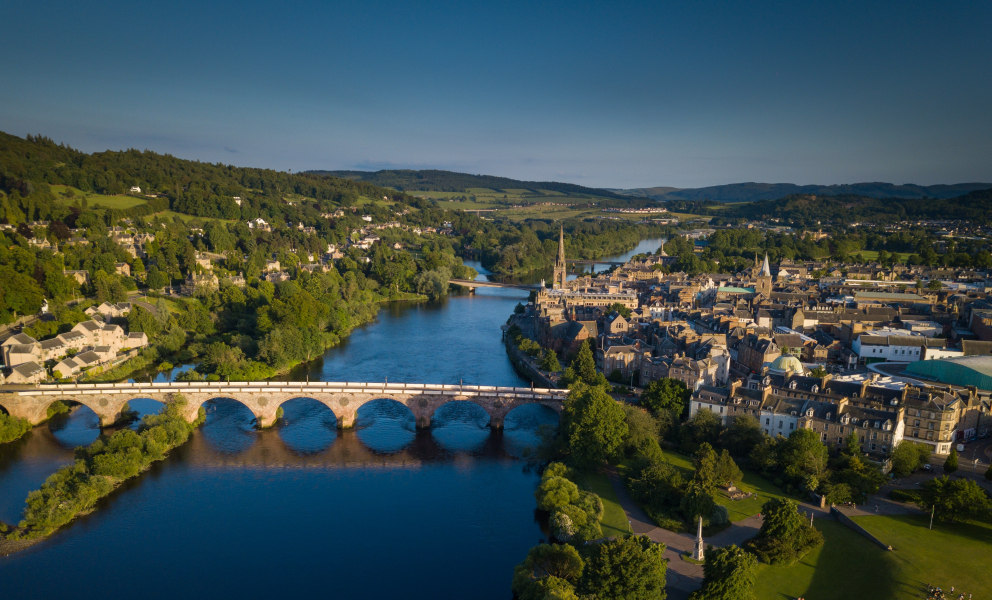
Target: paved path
point(683, 577)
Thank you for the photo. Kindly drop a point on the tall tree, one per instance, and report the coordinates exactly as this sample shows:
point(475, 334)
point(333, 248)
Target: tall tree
point(629, 568)
point(594, 426)
point(728, 574)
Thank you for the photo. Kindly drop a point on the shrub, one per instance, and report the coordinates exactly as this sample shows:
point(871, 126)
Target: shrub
point(555, 492)
point(591, 504)
point(720, 516)
point(556, 469)
point(12, 428)
point(905, 495)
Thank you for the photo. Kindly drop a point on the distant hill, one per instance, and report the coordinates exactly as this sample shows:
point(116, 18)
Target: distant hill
point(807, 209)
point(408, 180)
point(751, 192)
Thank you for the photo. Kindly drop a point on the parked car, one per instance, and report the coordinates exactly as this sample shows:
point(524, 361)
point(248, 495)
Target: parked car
point(960, 447)
point(926, 467)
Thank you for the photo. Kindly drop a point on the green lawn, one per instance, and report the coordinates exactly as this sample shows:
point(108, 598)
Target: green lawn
point(738, 509)
point(873, 255)
point(170, 214)
point(93, 199)
point(849, 566)
point(614, 518)
point(742, 509)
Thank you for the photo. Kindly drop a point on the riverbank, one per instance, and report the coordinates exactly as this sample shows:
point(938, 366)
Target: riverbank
point(145, 365)
point(99, 469)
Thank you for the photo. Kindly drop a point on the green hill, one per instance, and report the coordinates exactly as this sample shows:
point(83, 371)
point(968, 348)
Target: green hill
point(30, 166)
point(808, 209)
point(752, 192)
point(448, 181)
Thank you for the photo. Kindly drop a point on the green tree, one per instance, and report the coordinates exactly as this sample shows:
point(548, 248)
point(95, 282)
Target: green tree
point(935, 285)
point(727, 470)
point(628, 568)
point(666, 394)
point(743, 435)
point(728, 574)
point(852, 445)
point(584, 366)
point(705, 461)
point(951, 464)
point(908, 457)
point(555, 492)
point(620, 308)
point(804, 457)
point(954, 499)
point(785, 535)
point(156, 279)
point(559, 563)
point(549, 362)
point(594, 426)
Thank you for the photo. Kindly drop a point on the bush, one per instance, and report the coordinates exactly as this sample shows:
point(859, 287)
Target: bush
point(12, 428)
point(720, 516)
point(561, 526)
point(556, 469)
point(904, 495)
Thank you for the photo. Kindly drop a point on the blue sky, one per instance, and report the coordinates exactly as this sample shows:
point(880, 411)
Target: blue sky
point(612, 94)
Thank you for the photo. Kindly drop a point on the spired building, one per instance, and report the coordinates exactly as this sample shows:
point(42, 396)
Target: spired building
point(762, 276)
point(558, 278)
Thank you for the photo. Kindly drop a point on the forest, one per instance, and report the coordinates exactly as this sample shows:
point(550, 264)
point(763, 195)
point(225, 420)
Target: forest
point(808, 211)
point(448, 181)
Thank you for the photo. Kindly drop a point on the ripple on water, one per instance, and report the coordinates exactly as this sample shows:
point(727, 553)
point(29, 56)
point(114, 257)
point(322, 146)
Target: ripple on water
point(307, 426)
point(385, 426)
point(523, 426)
point(460, 426)
point(229, 426)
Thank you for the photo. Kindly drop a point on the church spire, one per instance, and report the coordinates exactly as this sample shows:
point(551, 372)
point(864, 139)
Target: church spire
point(766, 271)
point(560, 273)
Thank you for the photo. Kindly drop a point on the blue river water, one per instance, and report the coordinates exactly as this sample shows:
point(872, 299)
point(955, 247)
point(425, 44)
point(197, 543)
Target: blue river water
point(378, 511)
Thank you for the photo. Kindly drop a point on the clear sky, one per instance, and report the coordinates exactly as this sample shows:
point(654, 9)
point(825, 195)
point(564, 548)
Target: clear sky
point(612, 94)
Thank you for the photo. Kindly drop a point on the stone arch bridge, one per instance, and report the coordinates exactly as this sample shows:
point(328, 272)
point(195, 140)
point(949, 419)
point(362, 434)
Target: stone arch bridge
point(264, 398)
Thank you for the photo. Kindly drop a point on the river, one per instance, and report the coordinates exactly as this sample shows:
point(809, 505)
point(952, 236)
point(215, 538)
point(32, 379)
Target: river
point(378, 511)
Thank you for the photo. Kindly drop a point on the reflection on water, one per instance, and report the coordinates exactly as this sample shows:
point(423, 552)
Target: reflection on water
point(229, 426)
point(307, 426)
point(460, 426)
point(143, 407)
point(79, 427)
point(385, 425)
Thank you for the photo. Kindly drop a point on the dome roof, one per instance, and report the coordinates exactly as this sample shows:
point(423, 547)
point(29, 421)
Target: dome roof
point(786, 362)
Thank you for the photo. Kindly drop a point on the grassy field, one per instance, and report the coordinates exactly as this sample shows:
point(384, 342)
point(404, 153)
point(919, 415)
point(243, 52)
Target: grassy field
point(849, 566)
point(93, 199)
point(738, 509)
point(614, 519)
point(171, 214)
point(873, 255)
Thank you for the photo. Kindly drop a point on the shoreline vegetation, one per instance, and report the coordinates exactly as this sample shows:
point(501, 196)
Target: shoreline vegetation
point(99, 469)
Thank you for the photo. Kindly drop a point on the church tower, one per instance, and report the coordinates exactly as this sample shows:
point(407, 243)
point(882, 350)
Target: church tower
point(763, 277)
point(558, 279)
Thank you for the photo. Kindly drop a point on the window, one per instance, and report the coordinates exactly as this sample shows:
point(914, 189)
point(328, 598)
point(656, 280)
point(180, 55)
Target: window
point(792, 426)
point(780, 424)
point(768, 421)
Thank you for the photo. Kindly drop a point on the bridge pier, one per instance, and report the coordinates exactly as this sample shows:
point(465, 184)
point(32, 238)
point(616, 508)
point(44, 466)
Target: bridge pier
point(346, 421)
point(495, 422)
point(424, 422)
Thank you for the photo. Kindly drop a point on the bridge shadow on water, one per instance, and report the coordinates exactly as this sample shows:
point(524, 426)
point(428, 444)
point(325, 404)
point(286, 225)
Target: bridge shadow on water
point(385, 434)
